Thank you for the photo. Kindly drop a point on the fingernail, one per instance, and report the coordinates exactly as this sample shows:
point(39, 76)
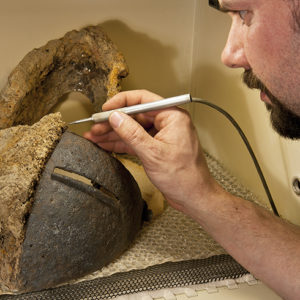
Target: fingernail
point(116, 119)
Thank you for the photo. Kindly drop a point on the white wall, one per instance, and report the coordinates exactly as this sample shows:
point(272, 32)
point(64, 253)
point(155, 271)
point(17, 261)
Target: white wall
point(172, 47)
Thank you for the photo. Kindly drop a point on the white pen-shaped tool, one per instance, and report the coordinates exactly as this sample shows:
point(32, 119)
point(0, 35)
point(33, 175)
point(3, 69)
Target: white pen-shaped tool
point(139, 108)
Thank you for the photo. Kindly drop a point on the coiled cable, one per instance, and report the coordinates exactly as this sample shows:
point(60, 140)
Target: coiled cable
point(247, 144)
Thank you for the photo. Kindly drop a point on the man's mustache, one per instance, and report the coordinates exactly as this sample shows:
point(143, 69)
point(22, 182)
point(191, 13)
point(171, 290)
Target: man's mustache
point(253, 82)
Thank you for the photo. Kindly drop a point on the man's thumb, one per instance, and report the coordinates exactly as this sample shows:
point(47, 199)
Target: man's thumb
point(130, 131)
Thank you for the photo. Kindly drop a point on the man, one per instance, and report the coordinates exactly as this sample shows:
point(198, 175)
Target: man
point(264, 40)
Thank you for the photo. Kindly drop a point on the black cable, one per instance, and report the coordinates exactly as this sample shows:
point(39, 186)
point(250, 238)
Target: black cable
point(248, 146)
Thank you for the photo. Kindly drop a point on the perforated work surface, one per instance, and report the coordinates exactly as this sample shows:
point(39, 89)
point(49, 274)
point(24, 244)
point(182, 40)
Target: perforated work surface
point(167, 275)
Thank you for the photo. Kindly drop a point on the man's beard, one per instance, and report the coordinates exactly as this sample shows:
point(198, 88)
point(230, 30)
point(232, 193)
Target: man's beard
point(283, 120)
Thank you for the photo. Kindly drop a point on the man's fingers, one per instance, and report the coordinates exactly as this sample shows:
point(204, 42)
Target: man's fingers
point(107, 137)
point(100, 128)
point(131, 132)
point(118, 147)
point(130, 98)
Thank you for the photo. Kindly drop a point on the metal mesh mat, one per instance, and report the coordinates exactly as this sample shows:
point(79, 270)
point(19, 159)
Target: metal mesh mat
point(170, 251)
point(167, 275)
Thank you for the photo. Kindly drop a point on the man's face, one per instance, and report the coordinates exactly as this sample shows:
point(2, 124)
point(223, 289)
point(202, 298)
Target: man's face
point(265, 42)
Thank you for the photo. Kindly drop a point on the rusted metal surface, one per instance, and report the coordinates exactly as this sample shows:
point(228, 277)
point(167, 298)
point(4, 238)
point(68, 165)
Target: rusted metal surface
point(86, 61)
point(24, 151)
point(54, 227)
point(76, 228)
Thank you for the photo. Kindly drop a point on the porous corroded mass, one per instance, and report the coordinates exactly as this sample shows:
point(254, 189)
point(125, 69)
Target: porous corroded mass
point(24, 151)
point(47, 238)
point(85, 61)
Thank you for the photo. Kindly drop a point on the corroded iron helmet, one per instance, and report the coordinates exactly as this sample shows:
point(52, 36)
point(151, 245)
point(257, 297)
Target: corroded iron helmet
point(79, 223)
point(67, 207)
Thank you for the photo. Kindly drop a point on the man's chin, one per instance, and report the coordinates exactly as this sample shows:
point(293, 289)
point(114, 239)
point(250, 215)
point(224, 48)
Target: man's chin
point(284, 122)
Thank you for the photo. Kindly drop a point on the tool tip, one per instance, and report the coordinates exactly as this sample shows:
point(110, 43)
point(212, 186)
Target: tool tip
point(81, 121)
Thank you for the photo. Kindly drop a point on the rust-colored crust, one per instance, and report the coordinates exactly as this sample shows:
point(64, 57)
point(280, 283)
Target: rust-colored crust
point(24, 150)
point(86, 61)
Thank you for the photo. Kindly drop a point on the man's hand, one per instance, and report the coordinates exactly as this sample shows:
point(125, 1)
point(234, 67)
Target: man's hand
point(172, 157)
point(166, 143)
point(103, 134)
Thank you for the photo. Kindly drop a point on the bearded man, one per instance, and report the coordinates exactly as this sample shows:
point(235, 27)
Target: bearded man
point(264, 40)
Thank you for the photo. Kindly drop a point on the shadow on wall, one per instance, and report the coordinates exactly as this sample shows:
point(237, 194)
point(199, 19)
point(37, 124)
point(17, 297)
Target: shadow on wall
point(150, 62)
point(219, 136)
point(150, 67)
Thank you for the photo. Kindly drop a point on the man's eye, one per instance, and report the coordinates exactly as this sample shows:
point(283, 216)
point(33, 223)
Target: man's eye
point(242, 14)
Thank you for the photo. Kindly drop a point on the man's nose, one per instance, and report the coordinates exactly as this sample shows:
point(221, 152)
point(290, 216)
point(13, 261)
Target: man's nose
point(233, 55)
